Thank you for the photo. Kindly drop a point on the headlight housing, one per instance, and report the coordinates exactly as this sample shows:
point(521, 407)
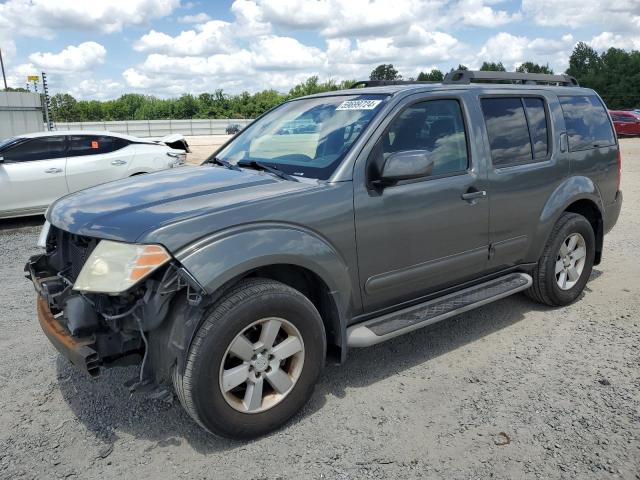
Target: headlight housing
point(113, 267)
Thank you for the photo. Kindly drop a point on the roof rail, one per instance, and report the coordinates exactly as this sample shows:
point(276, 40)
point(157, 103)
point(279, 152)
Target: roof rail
point(465, 77)
point(381, 83)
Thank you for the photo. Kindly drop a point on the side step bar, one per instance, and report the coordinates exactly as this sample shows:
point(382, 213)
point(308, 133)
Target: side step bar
point(393, 324)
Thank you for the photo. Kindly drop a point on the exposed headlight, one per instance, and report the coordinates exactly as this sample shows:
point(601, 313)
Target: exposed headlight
point(113, 267)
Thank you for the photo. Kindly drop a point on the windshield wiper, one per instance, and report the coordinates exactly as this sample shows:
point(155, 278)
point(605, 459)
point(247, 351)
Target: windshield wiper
point(224, 163)
point(268, 168)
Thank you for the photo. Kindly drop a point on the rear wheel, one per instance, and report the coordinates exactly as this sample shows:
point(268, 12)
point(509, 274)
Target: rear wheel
point(255, 360)
point(566, 262)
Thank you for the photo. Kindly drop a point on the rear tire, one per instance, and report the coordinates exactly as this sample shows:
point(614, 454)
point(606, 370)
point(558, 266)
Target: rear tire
point(566, 262)
point(254, 361)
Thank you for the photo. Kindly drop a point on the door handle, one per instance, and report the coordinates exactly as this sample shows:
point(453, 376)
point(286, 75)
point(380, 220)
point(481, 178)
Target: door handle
point(53, 170)
point(118, 162)
point(473, 195)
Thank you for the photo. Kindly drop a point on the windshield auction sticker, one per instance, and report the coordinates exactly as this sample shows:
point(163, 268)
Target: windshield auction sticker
point(358, 105)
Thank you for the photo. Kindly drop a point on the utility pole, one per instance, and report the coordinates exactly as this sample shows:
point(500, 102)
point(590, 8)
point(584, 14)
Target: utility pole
point(47, 101)
point(4, 77)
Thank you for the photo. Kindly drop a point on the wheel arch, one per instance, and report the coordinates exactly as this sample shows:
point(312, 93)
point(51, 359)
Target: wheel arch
point(289, 254)
point(579, 195)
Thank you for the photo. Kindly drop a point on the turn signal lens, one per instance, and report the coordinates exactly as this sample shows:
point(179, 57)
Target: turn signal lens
point(113, 267)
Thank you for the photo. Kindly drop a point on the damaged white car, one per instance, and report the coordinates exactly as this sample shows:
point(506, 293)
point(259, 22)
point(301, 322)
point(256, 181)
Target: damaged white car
point(38, 168)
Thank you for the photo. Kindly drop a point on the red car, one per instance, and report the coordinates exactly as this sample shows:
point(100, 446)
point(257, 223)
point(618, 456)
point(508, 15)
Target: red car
point(625, 122)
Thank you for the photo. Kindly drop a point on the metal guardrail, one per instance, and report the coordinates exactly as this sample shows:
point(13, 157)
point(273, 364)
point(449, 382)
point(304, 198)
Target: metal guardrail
point(157, 128)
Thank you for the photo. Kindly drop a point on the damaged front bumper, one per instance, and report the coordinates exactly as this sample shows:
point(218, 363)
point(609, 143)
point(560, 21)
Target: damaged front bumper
point(79, 350)
point(100, 330)
point(72, 324)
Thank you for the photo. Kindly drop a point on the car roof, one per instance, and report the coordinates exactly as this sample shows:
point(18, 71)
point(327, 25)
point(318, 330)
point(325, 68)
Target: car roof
point(435, 87)
point(629, 113)
point(81, 132)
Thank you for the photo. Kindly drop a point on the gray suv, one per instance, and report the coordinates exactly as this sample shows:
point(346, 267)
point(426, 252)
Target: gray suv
point(397, 206)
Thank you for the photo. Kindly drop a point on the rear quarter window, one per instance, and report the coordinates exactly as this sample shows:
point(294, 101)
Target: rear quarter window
point(587, 122)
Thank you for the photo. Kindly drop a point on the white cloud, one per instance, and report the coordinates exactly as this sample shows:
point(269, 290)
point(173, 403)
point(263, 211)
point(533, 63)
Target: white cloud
point(197, 18)
point(606, 40)
point(280, 53)
point(359, 18)
point(476, 14)
point(211, 37)
point(513, 50)
point(101, 89)
point(72, 59)
point(297, 13)
point(616, 14)
point(249, 18)
point(41, 17)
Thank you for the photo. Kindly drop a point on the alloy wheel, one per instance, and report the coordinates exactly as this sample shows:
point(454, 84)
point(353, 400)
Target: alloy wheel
point(262, 365)
point(570, 261)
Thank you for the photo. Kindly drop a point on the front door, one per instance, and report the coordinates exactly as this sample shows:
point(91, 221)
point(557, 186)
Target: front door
point(32, 175)
point(423, 235)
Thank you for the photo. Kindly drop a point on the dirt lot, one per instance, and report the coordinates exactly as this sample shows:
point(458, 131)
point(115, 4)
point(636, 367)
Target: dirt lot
point(512, 390)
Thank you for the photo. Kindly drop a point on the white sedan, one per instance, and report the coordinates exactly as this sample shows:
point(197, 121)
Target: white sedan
point(38, 168)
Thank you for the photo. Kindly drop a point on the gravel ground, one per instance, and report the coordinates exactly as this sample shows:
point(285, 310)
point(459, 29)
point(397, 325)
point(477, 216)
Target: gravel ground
point(202, 146)
point(511, 390)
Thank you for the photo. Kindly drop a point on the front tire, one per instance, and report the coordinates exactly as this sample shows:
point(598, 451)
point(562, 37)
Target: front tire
point(566, 262)
point(254, 361)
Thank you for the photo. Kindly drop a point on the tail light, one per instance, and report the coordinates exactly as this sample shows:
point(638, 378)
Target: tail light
point(619, 159)
point(179, 159)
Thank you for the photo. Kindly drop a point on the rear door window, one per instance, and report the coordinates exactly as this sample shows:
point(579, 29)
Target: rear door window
point(44, 148)
point(507, 130)
point(537, 119)
point(95, 144)
point(587, 122)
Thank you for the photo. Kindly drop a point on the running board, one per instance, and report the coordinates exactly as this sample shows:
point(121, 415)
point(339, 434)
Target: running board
point(393, 324)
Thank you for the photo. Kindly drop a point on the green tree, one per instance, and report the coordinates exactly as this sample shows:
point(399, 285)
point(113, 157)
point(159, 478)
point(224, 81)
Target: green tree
point(492, 67)
point(63, 108)
point(385, 72)
point(185, 107)
point(434, 75)
point(530, 67)
point(584, 61)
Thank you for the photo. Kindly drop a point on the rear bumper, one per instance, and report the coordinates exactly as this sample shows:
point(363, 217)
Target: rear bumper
point(612, 213)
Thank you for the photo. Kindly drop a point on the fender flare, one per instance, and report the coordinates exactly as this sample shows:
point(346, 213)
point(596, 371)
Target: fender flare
point(218, 259)
point(571, 190)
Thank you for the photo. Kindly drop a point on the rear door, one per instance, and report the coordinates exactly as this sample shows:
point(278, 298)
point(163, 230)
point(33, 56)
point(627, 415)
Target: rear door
point(96, 159)
point(32, 175)
point(527, 164)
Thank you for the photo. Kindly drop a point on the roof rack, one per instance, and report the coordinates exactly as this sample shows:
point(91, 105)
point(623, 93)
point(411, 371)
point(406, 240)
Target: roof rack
point(465, 77)
point(381, 83)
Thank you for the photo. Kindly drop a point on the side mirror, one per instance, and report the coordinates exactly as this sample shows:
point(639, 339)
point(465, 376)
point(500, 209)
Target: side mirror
point(406, 165)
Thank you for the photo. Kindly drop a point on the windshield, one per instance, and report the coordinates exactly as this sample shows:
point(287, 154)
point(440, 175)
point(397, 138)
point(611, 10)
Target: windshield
point(307, 138)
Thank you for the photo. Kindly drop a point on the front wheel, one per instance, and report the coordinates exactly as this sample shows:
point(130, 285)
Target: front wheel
point(254, 361)
point(566, 262)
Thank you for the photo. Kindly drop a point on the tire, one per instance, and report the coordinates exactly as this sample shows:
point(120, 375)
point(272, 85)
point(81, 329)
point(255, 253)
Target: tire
point(244, 312)
point(546, 287)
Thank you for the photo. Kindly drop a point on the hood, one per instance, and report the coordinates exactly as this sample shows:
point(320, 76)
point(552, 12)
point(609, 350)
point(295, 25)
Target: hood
point(125, 209)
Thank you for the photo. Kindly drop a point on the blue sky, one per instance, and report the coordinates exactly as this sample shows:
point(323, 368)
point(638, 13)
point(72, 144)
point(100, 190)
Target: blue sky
point(101, 49)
